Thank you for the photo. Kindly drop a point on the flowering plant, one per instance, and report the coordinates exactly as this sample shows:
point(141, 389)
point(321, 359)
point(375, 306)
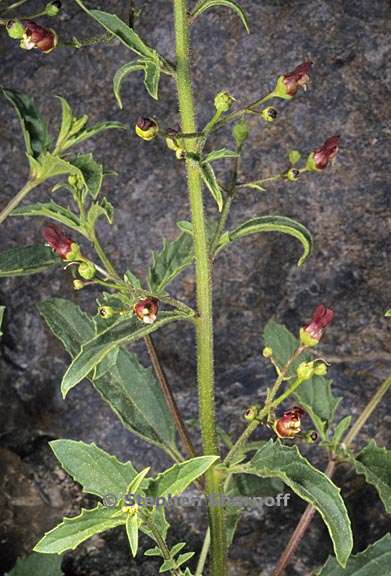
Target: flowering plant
point(132, 308)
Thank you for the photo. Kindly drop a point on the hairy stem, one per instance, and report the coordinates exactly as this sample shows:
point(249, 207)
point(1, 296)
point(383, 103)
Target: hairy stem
point(17, 199)
point(204, 322)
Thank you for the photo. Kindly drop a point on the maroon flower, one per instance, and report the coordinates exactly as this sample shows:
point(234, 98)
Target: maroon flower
point(289, 425)
point(313, 332)
point(299, 77)
point(45, 39)
point(323, 155)
point(146, 310)
point(61, 244)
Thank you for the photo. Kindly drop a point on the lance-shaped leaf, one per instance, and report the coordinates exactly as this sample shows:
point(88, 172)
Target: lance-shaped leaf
point(50, 210)
point(219, 155)
point(122, 73)
point(94, 469)
point(122, 332)
point(132, 533)
point(175, 256)
point(374, 463)
point(276, 460)
point(92, 172)
point(209, 178)
point(176, 479)
point(35, 130)
point(374, 561)
point(37, 565)
point(204, 5)
point(276, 224)
point(91, 132)
point(26, 260)
point(131, 390)
point(152, 76)
point(73, 531)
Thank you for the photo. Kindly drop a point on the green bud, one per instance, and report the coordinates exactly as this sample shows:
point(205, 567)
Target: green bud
point(53, 8)
point(320, 369)
point(15, 29)
point(78, 284)
point(267, 352)
point(240, 133)
point(87, 270)
point(73, 180)
point(305, 371)
point(269, 114)
point(311, 437)
point(223, 101)
point(293, 174)
point(251, 413)
point(106, 312)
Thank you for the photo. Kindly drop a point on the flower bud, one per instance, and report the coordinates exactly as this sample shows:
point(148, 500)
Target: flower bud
point(320, 158)
point(61, 244)
point(35, 36)
point(311, 334)
point(251, 413)
point(53, 8)
point(146, 128)
point(269, 114)
point(223, 101)
point(320, 369)
point(267, 352)
point(311, 436)
point(289, 425)
point(87, 270)
point(106, 312)
point(288, 84)
point(293, 174)
point(78, 284)
point(15, 29)
point(146, 310)
point(305, 371)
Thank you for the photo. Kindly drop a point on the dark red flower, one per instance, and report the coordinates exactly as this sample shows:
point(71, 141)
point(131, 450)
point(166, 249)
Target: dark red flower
point(45, 39)
point(289, 425)
point(299, 77)
point(146, 310)
point(61, 244)
point(321, 318)
point(329, 150)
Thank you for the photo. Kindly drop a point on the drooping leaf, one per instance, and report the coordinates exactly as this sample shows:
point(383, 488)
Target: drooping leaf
point(122, 73)
point(131, 390)
point(122, 332)
point(73, 531)
point(104, 208)
point(35, 130)
point(219, 155)
point(204, 5)
point(92, 172)
point(175, 256)
point(37, 565)
point(374, 561)
point(94, 469)
point(374, 463)
point(276, 224)
point(152, 76)
point(26, 260)
point(176, 479)
point(276, 460)
point(50, 210)
point(210, 180)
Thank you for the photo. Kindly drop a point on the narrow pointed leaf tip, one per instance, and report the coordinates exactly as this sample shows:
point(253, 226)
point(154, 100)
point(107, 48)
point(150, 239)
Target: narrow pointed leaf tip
point(204, 5)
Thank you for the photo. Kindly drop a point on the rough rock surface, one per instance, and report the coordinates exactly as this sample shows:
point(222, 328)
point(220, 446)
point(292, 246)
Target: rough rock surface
point(347, 209)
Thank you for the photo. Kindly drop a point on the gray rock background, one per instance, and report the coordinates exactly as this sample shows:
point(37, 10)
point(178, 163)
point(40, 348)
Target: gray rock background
point(347, 209)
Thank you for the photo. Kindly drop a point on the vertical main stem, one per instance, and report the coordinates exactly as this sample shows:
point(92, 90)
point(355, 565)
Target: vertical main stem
point(204, 322)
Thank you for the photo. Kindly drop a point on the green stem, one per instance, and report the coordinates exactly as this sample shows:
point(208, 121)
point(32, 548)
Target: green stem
point(204, 323)
point(103, 257)
point(203, 555)
point(160, 541)
point(226, 208)
point(238, 113)
point(17, 199)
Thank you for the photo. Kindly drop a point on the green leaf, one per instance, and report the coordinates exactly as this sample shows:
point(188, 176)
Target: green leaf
point(255, 186)
point(73, 531)
point(283, 344)
point(276, 460)
point(131, 390)
point(177, 548)
point(122, 332)
point(26, 260)
point(388, 313)
point(219, 155)
point(340, 430)
point(121, 74)
point(374, 561)
point(94, 469)
point(93, 131)
point(135, 484)
point(153, 552)
point(35, 130)
point(66, 121)
point(49, 166)
point(209, 178)
point(176, 479)
point(204, 5)
point(50, 210)
point(37, 565)
point(92, 172)
point(132, 532)
point(152, 76)
point(167, 565)
point(276, 224)
point(183, 558)
point(105, 208)
point(374, 463)
point(2, 310)
point(294, 157)
point(316, 398)
point(175, 256)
